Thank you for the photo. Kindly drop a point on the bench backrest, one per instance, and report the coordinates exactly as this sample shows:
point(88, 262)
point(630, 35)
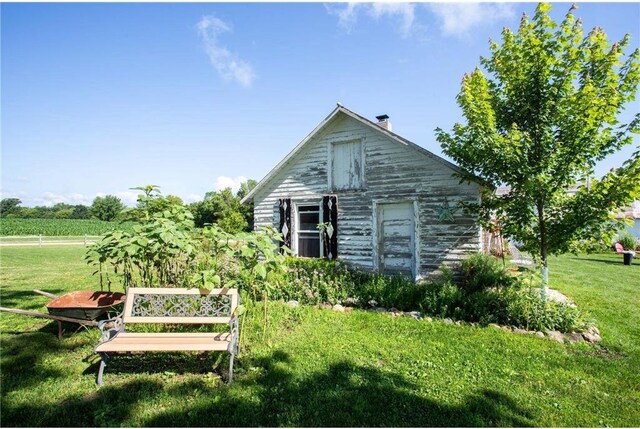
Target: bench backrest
point(179, 305)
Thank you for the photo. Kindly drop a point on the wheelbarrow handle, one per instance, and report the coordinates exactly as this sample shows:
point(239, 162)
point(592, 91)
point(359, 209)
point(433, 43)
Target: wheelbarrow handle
point(47, 294)
point(49, 316)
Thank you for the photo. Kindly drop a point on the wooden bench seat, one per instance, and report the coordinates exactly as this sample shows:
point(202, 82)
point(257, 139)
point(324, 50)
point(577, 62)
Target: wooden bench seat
point(171, 306)
point(166, 342)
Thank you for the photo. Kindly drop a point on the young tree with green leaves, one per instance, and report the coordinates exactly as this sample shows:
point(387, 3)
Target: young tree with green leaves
point(538, 121)
point(107, 207)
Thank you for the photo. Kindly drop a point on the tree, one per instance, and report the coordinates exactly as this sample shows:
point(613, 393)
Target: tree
point(246, 209)
point(9, 206)
point(107, 207)
point(81, 211)
point(224, 208)
point(541, 119)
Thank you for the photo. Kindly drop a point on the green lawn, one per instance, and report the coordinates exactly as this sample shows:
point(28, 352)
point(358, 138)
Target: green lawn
point(320, 368)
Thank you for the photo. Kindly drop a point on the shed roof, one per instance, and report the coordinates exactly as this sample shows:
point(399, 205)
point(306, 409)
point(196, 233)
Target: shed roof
point(340, 109)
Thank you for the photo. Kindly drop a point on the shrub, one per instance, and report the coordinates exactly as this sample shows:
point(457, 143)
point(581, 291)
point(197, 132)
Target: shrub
point(487, 293)
point(480, 272)
point(628, 241)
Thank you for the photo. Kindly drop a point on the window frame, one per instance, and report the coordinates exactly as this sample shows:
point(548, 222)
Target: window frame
point(363, 182)
point(296, 226)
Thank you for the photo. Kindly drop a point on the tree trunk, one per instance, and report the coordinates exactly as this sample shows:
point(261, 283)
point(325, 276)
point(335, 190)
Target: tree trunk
point(543, 251)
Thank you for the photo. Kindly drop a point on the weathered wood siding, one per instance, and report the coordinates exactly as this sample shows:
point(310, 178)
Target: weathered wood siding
point(394, 172)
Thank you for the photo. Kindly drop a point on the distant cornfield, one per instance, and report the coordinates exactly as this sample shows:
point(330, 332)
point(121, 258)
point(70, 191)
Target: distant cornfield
point(57, 227)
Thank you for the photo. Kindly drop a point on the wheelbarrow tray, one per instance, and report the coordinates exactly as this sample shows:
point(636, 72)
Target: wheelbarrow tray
point(84, 304)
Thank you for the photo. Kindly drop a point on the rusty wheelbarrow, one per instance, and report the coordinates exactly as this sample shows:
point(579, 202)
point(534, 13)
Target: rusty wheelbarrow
point(83, 307)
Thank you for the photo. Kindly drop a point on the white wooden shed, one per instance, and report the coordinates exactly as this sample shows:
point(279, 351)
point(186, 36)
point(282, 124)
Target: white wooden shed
point(386, 203)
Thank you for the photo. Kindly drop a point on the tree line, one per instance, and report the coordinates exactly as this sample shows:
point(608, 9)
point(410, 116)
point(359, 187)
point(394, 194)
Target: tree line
point(220, 207)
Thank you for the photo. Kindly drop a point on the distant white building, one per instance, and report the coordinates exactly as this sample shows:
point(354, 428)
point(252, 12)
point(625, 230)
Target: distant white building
point(632, 212)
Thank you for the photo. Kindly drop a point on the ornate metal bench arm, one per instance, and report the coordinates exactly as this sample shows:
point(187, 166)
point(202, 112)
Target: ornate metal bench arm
point(108, 332)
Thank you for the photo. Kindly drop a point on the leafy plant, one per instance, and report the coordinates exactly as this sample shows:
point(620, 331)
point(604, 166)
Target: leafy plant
point(482, 272)
point(158, 252)
point(628, 241)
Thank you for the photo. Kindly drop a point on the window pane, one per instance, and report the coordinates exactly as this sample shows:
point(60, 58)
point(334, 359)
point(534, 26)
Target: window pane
point(308, 208)
point(309, 245)
point(309, 221)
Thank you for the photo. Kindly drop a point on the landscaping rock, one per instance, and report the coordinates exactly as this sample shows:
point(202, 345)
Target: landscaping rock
point(573, 337)
point(415, 314)
point(326, 305)
point(592, 335)
point(458, 322)
point(293, 303)
point(448, 321)
point(349, 309)
point(540, 334)
point(520, 331)
point(506, 328)
point(339, 308)
point(495, 325)
point(380, 309)
point(351, 302)
point(556, 336)
point(373, 303)
point(428, 319)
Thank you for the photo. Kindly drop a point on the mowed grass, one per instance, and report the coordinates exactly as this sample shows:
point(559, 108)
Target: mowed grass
point(317, 367)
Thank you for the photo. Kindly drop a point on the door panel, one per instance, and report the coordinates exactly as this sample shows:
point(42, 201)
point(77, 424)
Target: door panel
point(396, 241)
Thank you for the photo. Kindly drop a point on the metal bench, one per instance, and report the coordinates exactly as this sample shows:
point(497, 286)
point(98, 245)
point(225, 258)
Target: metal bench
point(171, 306)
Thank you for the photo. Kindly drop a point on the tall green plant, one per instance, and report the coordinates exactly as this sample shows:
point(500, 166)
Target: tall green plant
point(262, 261)
point(159, 251)
point(538, 122)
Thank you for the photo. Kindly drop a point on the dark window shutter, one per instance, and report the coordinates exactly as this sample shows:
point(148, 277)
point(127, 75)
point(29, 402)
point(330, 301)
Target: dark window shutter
point(285, 221)
point(330, 216)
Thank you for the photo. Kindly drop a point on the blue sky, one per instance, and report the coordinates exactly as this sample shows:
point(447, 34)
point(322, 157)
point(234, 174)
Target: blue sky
point(99, 98)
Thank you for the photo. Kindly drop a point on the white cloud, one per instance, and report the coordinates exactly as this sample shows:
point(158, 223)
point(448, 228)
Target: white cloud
point(228, 65)
point(223, 182)
point(403, 11)
point(191, 198)
point(348, 15)
point(49, 199)
point(457, 19)
point(128, 198)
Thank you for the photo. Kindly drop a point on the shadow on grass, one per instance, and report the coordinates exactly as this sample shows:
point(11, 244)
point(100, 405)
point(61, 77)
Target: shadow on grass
point(269, 393)
point(23, 354)
point(25, 300)
point(605, 261)
point(108, 406)
point(156, 363)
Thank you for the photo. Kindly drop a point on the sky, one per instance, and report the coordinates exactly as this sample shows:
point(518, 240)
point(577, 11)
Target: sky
point(100, 98)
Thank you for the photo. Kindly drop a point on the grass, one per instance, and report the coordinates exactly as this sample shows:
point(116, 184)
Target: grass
point(317, 367)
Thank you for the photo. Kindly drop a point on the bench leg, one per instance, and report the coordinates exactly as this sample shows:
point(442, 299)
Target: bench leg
point(231, 369)
point(104, 358)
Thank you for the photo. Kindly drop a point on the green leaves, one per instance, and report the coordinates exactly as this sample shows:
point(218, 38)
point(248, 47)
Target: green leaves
point(540, 118)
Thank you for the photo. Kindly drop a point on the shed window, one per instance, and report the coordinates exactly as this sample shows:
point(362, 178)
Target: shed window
point(308, 233)
point(347, 168)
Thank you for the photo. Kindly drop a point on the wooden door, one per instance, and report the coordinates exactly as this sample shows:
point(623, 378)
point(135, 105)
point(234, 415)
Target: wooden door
point(396, 238)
